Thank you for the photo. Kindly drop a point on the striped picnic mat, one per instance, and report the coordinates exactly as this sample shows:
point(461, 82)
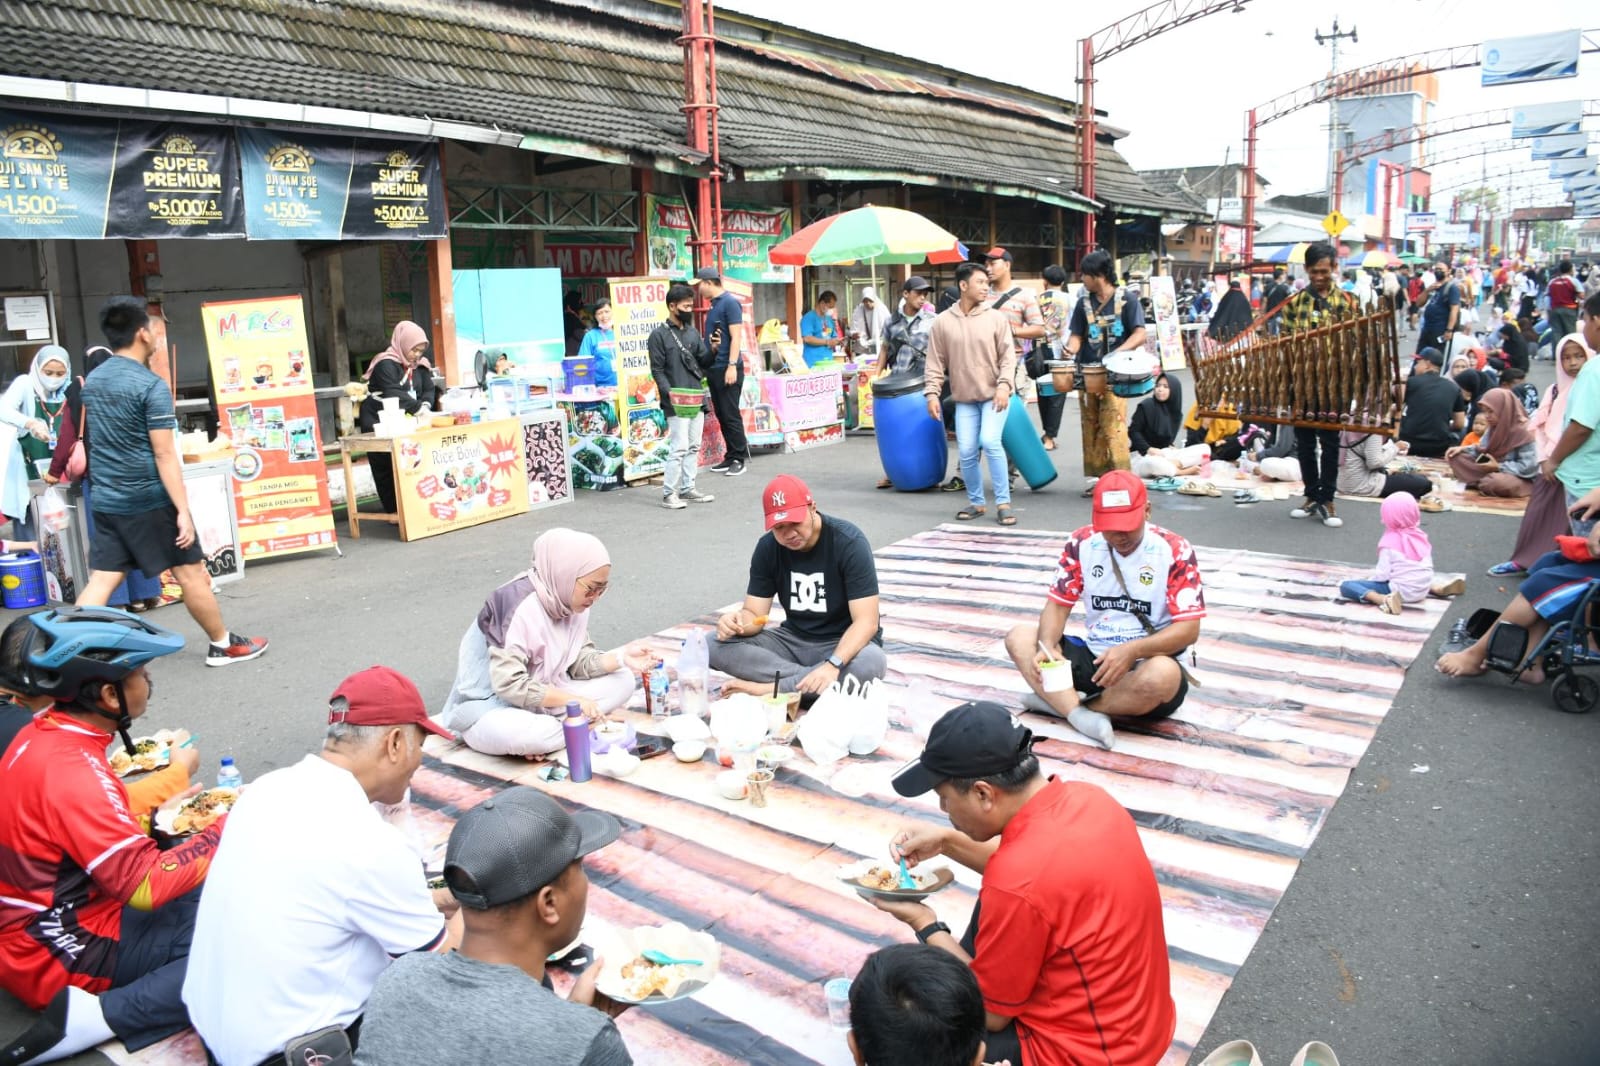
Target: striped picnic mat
point(1228, 794)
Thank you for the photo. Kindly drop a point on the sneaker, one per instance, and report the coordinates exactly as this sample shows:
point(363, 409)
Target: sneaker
point(955, 484)
point(735, 468)
point(1392, 604)
point(722, 467)
point(1329, 518)
point(1446, 588)
point(239, 650)
point(672, 502)
point(1506, 569)
point(1308, 509)
point(695, 496)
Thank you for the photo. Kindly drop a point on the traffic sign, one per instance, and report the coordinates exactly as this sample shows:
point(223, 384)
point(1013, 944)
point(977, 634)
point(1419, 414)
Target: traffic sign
point(1335, 224)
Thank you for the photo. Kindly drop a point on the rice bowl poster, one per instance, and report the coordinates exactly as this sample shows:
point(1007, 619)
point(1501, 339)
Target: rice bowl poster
point(454, 477)
point(638, 306)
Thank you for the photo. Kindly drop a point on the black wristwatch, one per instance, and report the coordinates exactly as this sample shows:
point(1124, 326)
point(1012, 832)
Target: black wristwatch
point(836, 662)
point(929, 930)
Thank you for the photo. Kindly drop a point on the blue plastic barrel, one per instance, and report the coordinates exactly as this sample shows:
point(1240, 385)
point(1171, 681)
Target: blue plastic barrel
point(1024, 448)
point(21, 581)
point(911, 444)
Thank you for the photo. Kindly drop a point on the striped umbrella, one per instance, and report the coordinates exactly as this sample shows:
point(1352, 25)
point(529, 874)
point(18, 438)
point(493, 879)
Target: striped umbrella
point(869, 234)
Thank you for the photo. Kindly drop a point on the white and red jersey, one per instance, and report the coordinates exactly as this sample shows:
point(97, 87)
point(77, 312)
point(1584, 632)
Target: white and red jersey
point(1163, 582)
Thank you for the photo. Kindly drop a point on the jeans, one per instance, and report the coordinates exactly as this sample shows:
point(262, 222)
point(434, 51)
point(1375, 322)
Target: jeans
point(1320, 476)
point(145, 1001)
point(978, 427)
point(725, 402)
point(683, 453)
point(1357, 590)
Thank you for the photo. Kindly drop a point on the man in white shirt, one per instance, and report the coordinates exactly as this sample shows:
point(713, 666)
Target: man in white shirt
point(317, 893)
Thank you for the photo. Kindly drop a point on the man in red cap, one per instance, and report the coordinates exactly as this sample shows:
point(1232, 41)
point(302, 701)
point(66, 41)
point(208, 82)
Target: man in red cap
point(1140, 586)
point(318, 893)
point(821, 569)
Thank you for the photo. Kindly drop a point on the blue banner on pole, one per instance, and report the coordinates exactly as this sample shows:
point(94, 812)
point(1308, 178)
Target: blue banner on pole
point(1539, 57)
point(1561, 146)
point(1541, 120)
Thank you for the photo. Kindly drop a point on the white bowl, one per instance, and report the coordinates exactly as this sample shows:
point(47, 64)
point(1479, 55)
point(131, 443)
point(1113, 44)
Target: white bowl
point(689, 750)
point(731, 784)
point(615, 763)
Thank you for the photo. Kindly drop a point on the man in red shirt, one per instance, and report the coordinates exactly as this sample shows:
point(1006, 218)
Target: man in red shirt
point(1067, 940)
point(1563, 293)
point(95, 919)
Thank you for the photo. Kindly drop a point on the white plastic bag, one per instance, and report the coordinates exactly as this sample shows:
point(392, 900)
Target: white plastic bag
point(849, 718)
point(53, 509)
point(694, 674)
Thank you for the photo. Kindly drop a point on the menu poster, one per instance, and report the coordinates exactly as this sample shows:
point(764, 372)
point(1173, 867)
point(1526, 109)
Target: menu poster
point(748, 235)
point(1164, 300)
point(54, 174)
point(295, 185)
point(262, 376)
point(175, 181)
point(396, 192)
point(460, 476)
point(638, 306)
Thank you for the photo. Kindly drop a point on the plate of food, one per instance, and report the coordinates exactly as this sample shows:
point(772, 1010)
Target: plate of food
point(882, 879)
point(183, 816)
point(628, 977)
point(149, 753)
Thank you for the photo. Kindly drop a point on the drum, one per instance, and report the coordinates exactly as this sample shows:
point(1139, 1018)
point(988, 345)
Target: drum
point(1131, 374)
point(1094, 380)
point(1061, 373)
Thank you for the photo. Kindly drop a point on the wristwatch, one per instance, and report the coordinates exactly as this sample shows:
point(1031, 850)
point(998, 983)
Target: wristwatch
point(929, 930)
point(836, 662)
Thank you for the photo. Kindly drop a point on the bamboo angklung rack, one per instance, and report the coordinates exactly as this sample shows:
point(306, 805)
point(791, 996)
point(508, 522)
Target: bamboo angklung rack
point(1343, 376)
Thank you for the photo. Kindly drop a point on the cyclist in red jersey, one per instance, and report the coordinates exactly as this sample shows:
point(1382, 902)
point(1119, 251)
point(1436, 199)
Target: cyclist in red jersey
point(95, 919)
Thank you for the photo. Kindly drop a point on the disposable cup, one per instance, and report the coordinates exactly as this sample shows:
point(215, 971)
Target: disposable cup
point(777, 711)
point(837, 992)
point(1057, 675)
point(758, 782)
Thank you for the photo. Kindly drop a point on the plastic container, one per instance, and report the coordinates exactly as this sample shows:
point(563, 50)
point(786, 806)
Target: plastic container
point(911, 445)
point(576, 730)
point(694, 675)
point(577, 371)
point(686, 403)
point(21, 581)
point(228, 775)
point(658, 689)
point(1025, 449)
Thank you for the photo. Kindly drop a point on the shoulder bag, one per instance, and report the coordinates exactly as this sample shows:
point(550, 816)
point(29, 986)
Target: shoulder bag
point(78, 457)
point(1144, 619)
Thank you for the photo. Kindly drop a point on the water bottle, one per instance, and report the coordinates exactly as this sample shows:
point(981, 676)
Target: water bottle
point(576, 729)
point(659, 685)
point(228, 775)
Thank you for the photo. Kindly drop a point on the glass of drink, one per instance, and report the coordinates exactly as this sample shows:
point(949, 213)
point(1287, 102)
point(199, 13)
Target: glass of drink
point(837, 992)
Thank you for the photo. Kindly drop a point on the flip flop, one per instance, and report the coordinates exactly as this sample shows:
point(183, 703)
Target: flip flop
point(1003, 515)
point(884, 483)
point(955, 484)
point(1191, 487)
point(1432, 504)
point(967, 514)
point(1164, 484)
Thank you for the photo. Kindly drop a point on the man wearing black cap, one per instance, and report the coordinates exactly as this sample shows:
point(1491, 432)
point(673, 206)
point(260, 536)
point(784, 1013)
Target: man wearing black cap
point(725, 379)
point(1435, 411)
point(905, 339)
point(515, 864)
point(1070, 955)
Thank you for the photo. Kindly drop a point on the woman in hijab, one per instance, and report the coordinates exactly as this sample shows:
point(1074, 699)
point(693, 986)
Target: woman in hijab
point(1232, 316)
point(867, 322)
point(529, 653)
point(1513, 347)
point(401, 371)
point(1473, 385)
point(1154, 435)
point(1405, 560)
point(1546, 515)
point(32, 407)
point(1508, 461)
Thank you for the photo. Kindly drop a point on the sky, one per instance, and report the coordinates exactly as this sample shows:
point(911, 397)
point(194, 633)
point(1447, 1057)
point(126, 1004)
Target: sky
point(1184, 94)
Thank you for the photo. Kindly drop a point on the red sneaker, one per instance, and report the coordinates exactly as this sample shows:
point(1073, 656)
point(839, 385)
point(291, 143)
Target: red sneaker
point(239, 650)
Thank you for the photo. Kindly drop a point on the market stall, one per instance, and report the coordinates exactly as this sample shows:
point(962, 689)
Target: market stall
point(809, 407)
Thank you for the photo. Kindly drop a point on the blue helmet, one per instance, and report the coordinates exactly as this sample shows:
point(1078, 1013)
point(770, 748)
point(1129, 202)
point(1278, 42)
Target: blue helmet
point(58, 652)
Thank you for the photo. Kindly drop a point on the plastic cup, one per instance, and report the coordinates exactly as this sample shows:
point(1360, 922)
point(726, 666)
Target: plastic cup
point(1057, 675)
point(758, 782)
point(777, 711)
point(837, 992)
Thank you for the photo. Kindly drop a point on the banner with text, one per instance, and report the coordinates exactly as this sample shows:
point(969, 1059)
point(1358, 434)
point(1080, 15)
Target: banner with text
point(175, 181)
point(748, 233)
point(1421, 221)
point(1542, 120)
point(638, 306)
point(460, 476)
point(54, 177)
point(261, 371)
point(1451, 233)
point(1539, 57)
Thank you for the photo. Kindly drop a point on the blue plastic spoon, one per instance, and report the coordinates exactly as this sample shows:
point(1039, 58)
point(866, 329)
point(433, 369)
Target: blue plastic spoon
point(905, 876)
point(661, 958)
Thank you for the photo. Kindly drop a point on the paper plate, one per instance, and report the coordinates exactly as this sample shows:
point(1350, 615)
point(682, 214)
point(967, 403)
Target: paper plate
point(928, 881)
point(622, 947)
point(169, 810)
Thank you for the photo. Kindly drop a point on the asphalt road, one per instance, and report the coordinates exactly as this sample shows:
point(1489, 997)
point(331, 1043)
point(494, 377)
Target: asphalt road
point(1440, 917)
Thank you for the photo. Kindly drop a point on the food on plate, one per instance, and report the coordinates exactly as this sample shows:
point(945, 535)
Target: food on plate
point(887, 879)
point(150, 753)
point(199, 812)
point(643, 979)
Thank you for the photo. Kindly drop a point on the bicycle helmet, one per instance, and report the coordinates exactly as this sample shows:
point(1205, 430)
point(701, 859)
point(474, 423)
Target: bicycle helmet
point(58, 652)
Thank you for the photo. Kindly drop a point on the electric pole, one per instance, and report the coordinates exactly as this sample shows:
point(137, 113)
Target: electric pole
point(1335, 170)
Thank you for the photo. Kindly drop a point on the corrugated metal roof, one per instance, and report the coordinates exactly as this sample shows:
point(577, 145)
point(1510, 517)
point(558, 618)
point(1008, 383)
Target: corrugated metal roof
point(553, 71)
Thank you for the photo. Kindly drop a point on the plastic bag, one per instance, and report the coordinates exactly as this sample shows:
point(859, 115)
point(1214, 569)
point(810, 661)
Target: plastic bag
point(694, 674)
point(849, 718)
point(53, 509)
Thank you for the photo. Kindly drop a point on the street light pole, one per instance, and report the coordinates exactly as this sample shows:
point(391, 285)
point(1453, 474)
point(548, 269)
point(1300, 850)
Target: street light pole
point(1335, 163)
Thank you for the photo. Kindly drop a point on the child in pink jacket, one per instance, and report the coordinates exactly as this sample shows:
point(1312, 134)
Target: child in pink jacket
point(1405, 560)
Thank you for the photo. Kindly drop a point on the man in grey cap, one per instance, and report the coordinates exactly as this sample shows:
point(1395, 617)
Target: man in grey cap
point(515, 864)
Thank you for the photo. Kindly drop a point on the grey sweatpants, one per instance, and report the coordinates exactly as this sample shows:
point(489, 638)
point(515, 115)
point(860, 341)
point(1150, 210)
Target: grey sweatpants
point(779, 650)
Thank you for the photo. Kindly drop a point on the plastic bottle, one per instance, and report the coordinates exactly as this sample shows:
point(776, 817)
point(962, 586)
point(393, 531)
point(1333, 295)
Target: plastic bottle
point(657, 692)
point(576, 729)
point(228, 775)
point(694, 674)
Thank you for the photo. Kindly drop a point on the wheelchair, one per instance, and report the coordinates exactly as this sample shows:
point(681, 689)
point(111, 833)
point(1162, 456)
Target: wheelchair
point(1566, 652)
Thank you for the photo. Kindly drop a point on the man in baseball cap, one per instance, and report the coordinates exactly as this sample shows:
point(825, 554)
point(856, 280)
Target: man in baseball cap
point(821, 569)
point(515, 864)
point(318, 892)
point(1143, 602)
point(1075, 983)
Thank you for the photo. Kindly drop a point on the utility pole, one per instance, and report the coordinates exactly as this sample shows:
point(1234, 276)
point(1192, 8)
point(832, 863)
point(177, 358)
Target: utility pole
point(1335, 167)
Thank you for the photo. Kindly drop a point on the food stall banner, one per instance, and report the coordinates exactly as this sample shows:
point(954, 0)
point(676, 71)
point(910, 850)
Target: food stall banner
point(54, 177)
point(171, 180)
point(459, 476)
point(807, 406)
point(638, 306)
point(303, 187)
point(261, 372)
point(1538, 57)
point(1164, 299)
point(748, 233)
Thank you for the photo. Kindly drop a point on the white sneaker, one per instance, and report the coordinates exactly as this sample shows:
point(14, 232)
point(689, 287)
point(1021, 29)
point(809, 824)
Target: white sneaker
point(1305, 510)
point(672, 503)
point(1329, 518)
point(695, 496)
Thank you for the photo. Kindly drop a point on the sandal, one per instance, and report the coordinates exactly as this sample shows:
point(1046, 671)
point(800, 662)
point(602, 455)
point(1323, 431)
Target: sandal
point(884, 483)
point(967, 514)
point(1164, 484)
point(1004, 516)
point(955, 484)
point(1432, 503)
point(1049, 442)
point(1192, 487)
point(1506, 569)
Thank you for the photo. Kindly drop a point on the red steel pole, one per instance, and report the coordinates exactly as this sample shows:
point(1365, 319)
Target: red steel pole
point(1250, 187)
point(1086, 134)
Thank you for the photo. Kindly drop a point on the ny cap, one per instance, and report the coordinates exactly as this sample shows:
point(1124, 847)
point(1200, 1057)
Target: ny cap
point(979, 739)
point(513, 844)
point(381, 696)
point(1119, 502)
point(785, 499)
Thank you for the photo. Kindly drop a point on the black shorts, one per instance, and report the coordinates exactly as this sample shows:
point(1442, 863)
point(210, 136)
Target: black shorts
point(145, 541)
point(1083, 667)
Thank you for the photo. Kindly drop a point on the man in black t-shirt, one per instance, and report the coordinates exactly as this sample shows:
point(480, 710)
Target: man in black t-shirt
point(1435, 411)
point(820, 569)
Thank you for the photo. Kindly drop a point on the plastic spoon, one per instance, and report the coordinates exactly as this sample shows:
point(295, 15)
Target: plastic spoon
point(661, 958)
point(905, 876)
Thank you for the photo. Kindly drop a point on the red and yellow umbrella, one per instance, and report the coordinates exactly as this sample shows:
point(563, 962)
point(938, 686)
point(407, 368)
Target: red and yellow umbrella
point(869, 235)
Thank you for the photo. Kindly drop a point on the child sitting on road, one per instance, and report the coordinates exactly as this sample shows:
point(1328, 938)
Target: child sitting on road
point(1405, 560)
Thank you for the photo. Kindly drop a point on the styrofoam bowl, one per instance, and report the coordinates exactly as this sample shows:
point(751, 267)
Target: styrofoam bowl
point(689, 750)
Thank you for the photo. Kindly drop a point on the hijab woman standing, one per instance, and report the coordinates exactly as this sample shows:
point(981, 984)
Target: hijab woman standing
point(32, 408)
point(402, 372)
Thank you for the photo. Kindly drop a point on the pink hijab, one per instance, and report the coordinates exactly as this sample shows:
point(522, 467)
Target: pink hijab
point(545, 631)
point(1549, 419)
point(406, 336)
point(1402, 522)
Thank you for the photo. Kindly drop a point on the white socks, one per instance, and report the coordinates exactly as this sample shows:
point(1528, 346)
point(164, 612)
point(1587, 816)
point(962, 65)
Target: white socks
point(1094, 725)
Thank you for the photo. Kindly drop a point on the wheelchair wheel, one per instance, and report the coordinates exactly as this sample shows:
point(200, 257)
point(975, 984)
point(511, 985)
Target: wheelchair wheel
point(1575, 693)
